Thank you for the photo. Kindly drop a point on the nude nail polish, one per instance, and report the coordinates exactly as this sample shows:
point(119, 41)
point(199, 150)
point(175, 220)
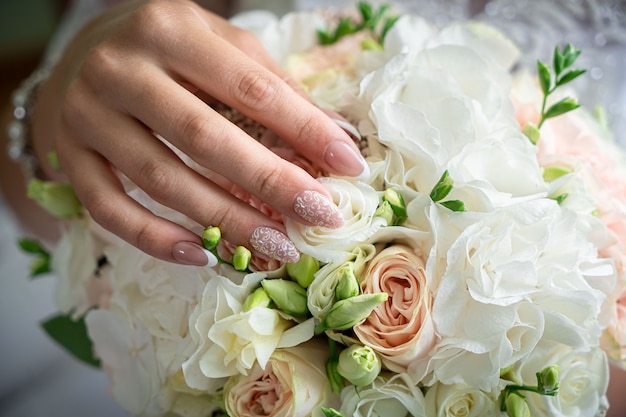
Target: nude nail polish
point(274, 244)
point(190, 253)
point(345, 161)
point(317, 209)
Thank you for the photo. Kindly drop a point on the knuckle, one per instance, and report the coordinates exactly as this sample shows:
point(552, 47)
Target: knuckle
point(101, 208)
point(308, 128)
point(195, 130)
point(160, 179)
point(155, 18)
point(255, 90)
point(146, 238)
point(269, 181)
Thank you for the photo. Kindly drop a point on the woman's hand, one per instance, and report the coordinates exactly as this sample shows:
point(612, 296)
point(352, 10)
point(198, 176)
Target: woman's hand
point(142, 68)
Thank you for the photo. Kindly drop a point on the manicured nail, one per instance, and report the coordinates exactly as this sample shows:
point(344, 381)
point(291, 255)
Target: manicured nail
point(189, 253)
point(274, 244)
point(345, 161)
point(316, 208)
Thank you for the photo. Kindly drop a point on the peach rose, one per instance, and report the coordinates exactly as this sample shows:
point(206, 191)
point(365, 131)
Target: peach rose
point(293, 384)
point(401, 329)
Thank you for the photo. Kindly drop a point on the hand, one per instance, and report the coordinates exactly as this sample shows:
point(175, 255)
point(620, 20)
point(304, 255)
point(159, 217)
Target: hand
point(142, 68)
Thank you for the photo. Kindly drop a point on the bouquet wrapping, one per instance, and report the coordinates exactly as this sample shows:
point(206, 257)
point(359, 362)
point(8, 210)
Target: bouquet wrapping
point(480, 270)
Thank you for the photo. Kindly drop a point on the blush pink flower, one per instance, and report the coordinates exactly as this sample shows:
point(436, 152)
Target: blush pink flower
point(401, 329)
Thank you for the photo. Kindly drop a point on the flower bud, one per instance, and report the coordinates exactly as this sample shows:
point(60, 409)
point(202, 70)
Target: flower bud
point(241, 258)
point(288, 296)
point(347, 313)
point(359, 364)
point(369, 44)
point(532, 132)
point(304, 270)
point(348, 285)
point(396, 201)
point(516, 406)
point(385, 211)
point(442, 188)
point(554, 172)
point(258, 298)
point(57, 198)
point(211, 237)
point(548, 380)
point(331, 412)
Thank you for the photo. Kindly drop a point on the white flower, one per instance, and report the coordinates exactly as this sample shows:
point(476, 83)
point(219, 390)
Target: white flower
point(128, 357)
point(358, 203)
point(386, 396)
point(461, 400)
point(75, 261)
point(230, 341)
point(584, 378)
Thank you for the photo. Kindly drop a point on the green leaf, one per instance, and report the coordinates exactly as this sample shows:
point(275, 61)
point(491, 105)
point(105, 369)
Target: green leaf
point(32, 246)
point(72, 335)
point(557, 61)
point(331, 412)
point(324, 37)
point(545, 78)
point(366, 10)
point(454, 205)
point(40, 266)
point(570, 75)
point(563, 106)
point(387, 27)
point(442, 188)
point(560, 198)
point(569, 55)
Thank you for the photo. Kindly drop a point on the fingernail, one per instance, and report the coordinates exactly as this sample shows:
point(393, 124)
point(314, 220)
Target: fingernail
point(345, 161)
point(274, 244)
point(189, 253)
point(316, 208)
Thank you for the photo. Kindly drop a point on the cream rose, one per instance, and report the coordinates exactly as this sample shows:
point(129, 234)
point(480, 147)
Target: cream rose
point(396, 395)
point(461, 401)
point(401, 329)
point(358, 203)
point(293, 384)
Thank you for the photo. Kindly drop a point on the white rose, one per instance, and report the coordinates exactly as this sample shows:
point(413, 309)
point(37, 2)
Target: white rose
point(392, 396)
point(358, 203)
point(461, 400)
point(584, 378)
point(230, 341)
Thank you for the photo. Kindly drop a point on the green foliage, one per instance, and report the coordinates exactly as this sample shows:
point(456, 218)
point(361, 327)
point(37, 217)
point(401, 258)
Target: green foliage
point(72, 335)
point(375, 21)
point(442, 189)
point(552, 78)
point(41, 263)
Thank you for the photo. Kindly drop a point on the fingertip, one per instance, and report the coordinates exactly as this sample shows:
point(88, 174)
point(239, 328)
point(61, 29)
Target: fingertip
point(190, 253)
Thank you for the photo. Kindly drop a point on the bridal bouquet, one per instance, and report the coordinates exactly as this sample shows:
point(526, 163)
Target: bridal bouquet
point(481, 269)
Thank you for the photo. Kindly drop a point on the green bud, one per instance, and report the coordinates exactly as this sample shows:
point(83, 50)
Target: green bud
point(211, 237)
point(442, 188)
point(397, 205)
point(385, 211)
point(516, 406)
point(369, 44)
point(548, 380)
point(241, 258)
point(331, 412)
point(532, 132)
point(345, 314)
point(57, 198)
point(304, 270)
point(348, 285)
point(287, 295)
point(258, 298)
point(359, 364)
point(554, 172)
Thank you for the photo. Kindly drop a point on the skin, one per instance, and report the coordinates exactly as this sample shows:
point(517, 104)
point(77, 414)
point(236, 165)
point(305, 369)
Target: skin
point(152, 66)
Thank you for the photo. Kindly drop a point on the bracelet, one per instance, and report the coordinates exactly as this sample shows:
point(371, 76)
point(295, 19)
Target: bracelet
point(20, 147)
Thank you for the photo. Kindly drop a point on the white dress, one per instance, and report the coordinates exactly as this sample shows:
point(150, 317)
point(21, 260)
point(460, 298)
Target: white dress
point(38, 379)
